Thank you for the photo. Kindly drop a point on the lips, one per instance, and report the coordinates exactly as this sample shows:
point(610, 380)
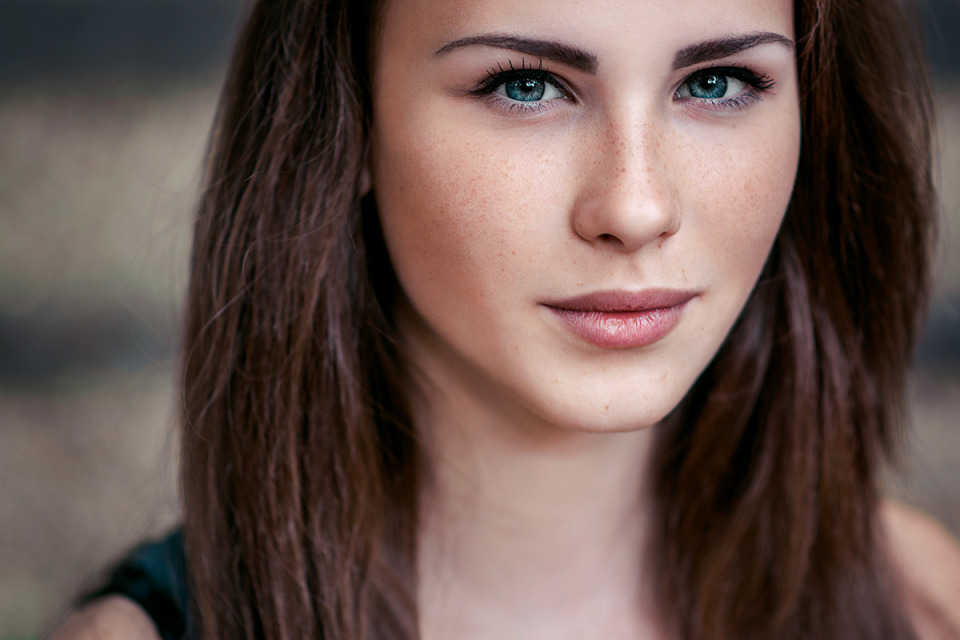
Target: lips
point(622, 319)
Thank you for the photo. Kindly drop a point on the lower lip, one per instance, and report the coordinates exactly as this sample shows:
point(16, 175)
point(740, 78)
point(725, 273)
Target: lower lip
point(621, 329)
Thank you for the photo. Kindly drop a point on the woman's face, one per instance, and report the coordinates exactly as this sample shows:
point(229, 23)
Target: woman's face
point(578, 197)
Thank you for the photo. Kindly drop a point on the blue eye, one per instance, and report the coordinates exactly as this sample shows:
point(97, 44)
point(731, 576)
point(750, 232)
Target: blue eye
point(709, 86)
point(528, 86)
point(724, 86)
point(522, 88)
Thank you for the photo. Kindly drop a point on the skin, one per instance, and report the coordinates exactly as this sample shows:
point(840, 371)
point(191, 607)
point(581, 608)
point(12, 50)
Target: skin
point(489, 212)
point(619, 179)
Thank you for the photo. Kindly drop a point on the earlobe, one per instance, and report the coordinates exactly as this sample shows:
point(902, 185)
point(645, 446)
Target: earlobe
point(365, 184)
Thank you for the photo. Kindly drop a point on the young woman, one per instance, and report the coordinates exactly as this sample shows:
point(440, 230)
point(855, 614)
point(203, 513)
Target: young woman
point(555, 319)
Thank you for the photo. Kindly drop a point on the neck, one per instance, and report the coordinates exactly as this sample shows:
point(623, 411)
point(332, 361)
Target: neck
point(526, 524)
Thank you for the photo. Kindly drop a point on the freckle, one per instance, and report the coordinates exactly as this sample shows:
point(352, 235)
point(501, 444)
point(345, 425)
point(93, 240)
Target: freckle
point(606, 407)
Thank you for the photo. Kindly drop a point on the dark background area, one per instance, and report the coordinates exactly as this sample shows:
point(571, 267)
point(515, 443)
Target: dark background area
point(104, 109)
point(78, 40)
point(84, 40)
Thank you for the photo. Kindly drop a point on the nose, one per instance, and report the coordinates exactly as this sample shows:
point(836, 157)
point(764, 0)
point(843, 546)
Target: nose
point(627, 199)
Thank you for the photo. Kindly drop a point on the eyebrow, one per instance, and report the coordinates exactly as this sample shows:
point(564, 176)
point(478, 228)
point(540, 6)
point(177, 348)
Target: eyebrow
point(723, 47)
point(557, 52)
point(587, 62)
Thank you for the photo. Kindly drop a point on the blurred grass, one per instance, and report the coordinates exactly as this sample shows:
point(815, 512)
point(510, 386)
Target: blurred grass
point(96, 191)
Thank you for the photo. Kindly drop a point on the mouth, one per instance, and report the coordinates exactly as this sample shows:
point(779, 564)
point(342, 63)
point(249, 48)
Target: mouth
point(622, 319)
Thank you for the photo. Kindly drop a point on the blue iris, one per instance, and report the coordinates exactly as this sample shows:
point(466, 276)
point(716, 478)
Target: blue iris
point(525, 89)
point(708, 86)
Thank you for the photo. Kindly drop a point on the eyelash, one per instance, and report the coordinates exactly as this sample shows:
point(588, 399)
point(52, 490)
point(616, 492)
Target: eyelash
point(756, 86)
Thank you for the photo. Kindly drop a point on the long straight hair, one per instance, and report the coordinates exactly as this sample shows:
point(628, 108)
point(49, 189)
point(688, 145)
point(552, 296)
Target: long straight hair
point(300, 463)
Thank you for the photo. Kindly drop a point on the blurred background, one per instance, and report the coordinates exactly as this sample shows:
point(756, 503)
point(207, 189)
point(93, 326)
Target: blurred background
point(104, 110)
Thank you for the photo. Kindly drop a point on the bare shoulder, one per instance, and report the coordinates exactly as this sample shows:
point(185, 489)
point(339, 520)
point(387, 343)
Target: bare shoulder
point(112, 618)
point(927, 558)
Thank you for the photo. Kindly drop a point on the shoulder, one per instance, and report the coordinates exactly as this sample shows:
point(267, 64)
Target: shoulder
point(145, 595)
point(110, 618)
point(927, 559)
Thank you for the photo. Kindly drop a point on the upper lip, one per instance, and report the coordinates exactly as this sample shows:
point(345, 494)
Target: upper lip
point(623, 301)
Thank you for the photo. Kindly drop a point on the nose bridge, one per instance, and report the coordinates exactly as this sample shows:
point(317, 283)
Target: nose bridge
point(641, 142)
point(630, 201)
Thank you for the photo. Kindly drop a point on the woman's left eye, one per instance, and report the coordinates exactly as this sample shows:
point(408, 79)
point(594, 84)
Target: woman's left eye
point(724, 87)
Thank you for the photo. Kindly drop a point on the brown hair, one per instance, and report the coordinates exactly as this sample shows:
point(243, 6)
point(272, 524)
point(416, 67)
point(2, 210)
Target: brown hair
point(300, 466)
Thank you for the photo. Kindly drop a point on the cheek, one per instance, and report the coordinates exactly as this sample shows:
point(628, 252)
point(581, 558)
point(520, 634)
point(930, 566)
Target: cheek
point(453, 210)
point(743, 196)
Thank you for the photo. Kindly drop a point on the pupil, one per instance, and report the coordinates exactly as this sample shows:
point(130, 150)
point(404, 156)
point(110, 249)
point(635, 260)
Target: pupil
point(525, 89)
point(711, 87)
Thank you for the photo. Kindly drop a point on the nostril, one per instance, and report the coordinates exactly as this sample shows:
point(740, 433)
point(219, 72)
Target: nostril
point(608, 238)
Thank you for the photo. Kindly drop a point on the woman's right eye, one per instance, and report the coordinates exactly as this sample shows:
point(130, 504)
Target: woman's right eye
point(529, 89)
point(526, 89)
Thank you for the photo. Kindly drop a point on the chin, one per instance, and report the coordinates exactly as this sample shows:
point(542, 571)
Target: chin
point(618, 414)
